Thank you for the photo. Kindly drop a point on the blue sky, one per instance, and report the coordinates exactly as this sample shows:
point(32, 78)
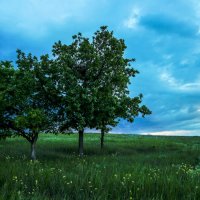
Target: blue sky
point(163, 36)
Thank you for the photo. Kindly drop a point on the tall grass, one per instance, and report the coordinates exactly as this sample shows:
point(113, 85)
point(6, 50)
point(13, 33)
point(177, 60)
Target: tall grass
point(130, 167)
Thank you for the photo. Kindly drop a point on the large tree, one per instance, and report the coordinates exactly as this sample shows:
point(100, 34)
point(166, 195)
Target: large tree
point(78, 91)
point(97, 93)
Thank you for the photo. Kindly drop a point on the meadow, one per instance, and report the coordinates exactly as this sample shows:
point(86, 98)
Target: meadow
point(129, 167)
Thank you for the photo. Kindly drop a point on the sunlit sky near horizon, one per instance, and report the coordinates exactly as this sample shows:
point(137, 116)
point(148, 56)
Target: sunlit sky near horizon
point(163, 36)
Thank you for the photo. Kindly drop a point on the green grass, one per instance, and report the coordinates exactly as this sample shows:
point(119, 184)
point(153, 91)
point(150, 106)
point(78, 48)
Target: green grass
point(130, 167)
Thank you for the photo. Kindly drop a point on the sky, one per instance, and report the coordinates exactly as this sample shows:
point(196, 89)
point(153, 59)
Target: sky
point(163, 37)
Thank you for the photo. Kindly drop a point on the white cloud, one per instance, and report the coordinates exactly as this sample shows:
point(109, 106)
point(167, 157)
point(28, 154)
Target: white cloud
point(34, 17)
point(179, 85)
point(184, 62)
point(133, 20)
point(167, 56)
point(167, 77)
point(198, 108)
point(174, 133)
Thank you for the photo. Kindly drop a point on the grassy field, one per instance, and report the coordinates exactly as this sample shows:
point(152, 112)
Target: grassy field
point(130, 167)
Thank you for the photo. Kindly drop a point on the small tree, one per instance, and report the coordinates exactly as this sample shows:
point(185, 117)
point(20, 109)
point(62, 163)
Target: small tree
point(40, 97)
point(113, 77)
point(26, 109)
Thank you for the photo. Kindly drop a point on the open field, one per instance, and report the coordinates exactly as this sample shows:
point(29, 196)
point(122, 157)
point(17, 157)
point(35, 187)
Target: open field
point(130, 167)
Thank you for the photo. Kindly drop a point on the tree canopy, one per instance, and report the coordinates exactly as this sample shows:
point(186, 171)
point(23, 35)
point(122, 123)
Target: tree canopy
point(97, 92)
point(82, 85)
point(25, 109)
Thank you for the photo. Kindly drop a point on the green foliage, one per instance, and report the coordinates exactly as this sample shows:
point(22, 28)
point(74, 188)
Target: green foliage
point(34, 119)
point(25, 108)
point(83, 85)
point(94, 84)
point(7, 90)
point(97, 87)
point(129, 167)
point(26, 95)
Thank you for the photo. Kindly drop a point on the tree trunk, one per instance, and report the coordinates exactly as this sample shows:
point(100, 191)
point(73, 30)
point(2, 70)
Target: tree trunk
point(80, 148)
point(102, 138)
point(33, 146)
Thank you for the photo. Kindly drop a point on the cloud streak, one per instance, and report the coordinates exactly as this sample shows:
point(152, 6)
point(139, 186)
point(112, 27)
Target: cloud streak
point(179, 85)
point(173, 133)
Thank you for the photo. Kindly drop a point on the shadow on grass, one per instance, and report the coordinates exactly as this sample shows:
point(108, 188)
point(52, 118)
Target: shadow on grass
point(59, 152)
